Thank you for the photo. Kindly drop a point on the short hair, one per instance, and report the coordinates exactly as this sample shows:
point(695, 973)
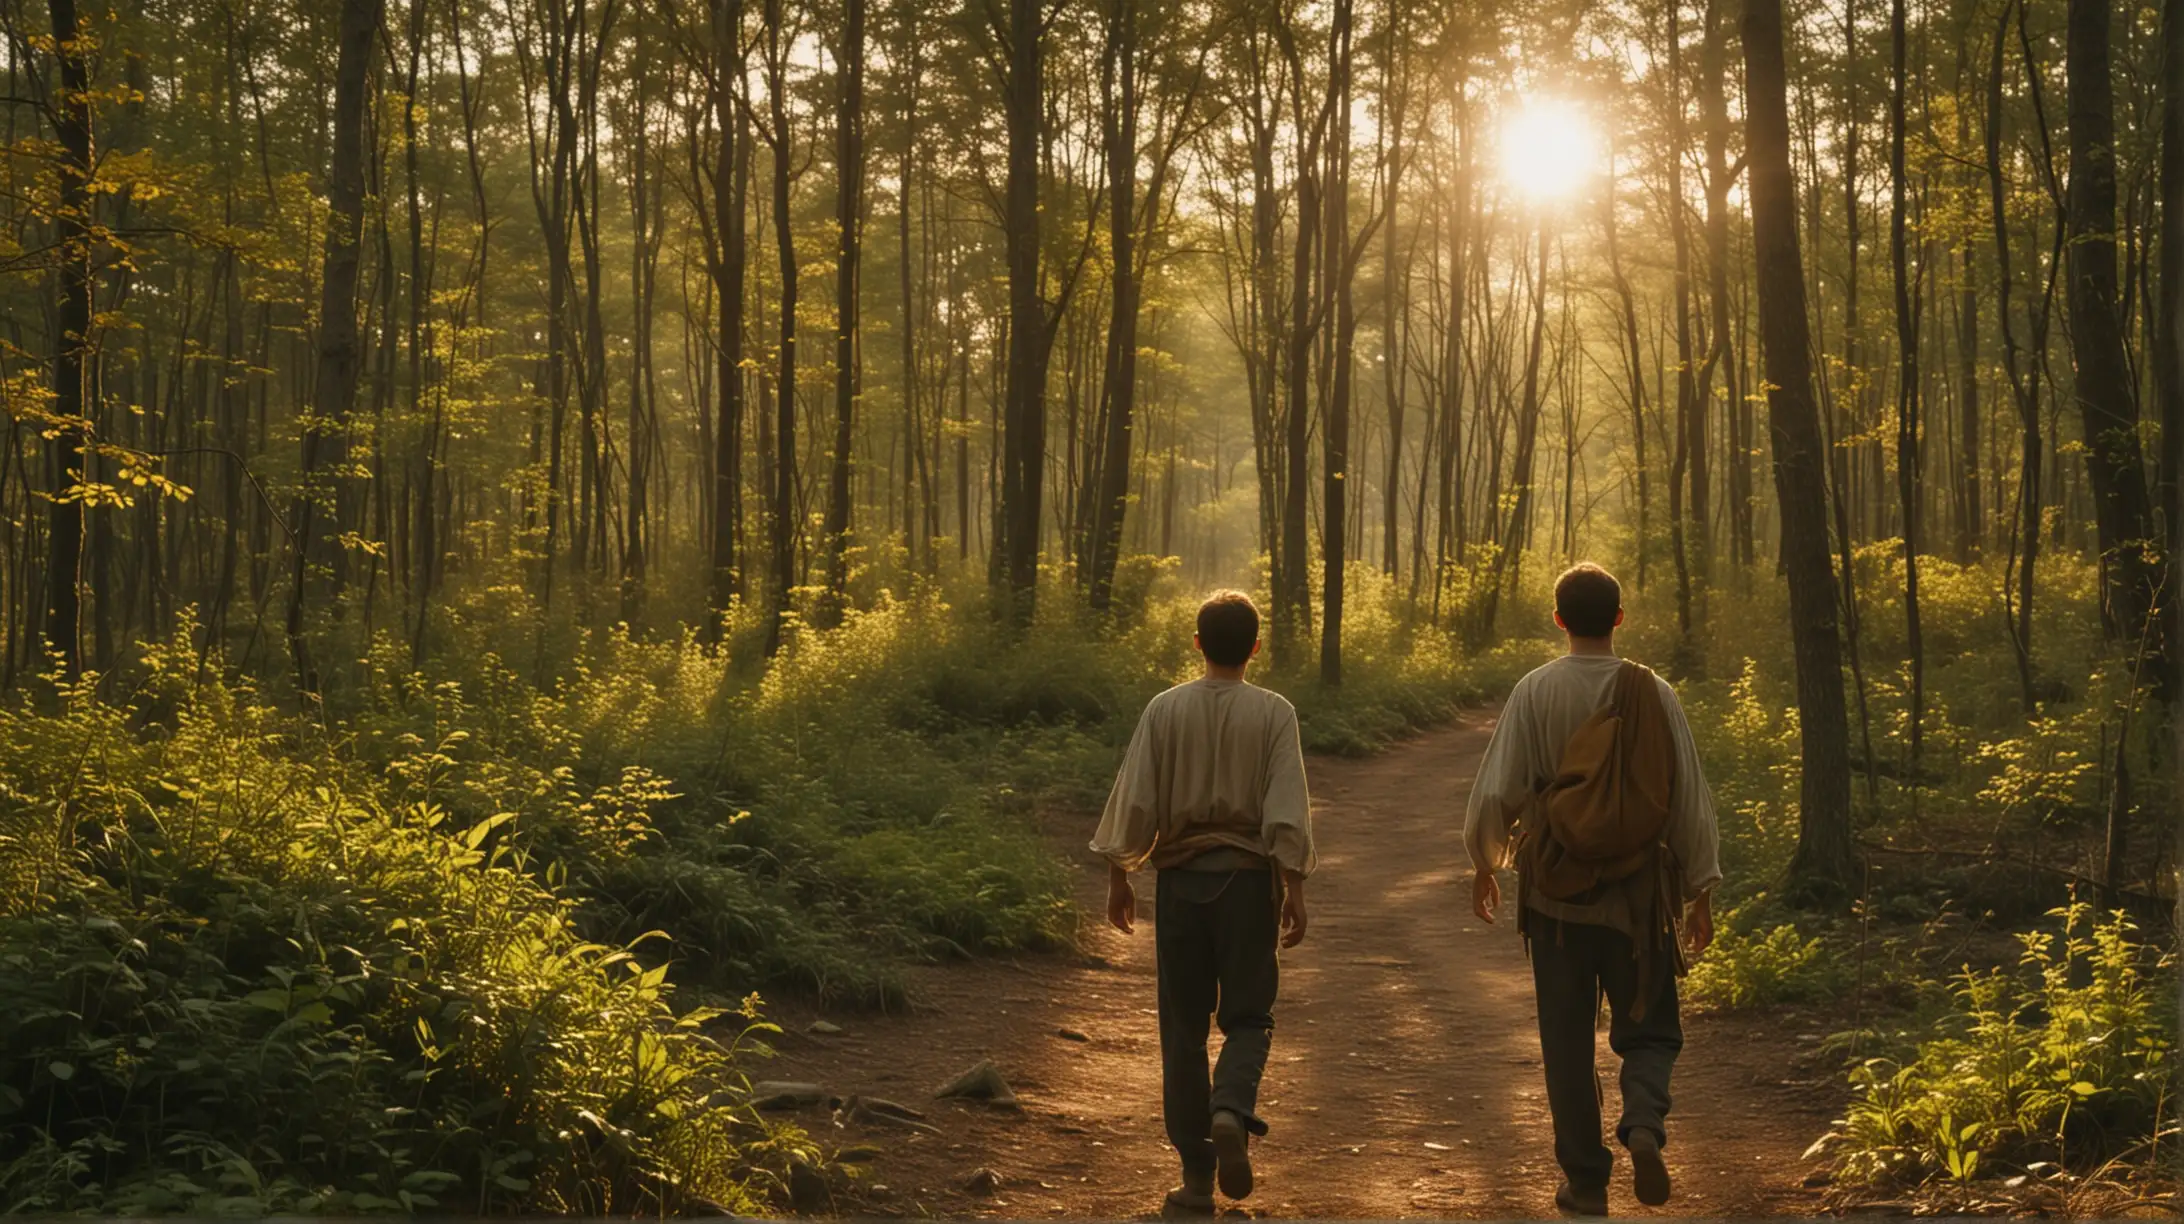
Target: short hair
point(1587, 598)
point(1228, 627)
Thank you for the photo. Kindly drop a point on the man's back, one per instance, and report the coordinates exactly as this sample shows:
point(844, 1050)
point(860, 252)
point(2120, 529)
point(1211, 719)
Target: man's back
point(1214, 763)
point(1543, 710)
point(1211, 792)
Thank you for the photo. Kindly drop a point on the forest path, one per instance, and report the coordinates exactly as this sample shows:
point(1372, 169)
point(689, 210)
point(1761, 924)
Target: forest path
point(1405, 1076)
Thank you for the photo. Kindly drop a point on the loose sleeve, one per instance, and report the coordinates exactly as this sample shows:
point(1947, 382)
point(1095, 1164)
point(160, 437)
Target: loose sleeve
point(1286, 808)
point(1503, 785)
point(1130, 824)
point(1693, 833)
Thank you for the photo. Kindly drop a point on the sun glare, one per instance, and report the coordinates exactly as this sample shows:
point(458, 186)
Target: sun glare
point(1548, 149)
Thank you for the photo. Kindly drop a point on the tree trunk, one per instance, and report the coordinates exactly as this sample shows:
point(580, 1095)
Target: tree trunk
point(2169, 334)
point(1824, 860)
point(848, 213)
point(326, 435)
point(1634, 355)
point(782, 520)
point(2024, 386)
point(1680, 513)
point(1119, 115)
point(1714, 112)
point(636, 531)
point(1293, 594)
point(1907, 384)
point(2114, 462)
point(66, 453)
point(1023, 469)
point(731, 186)
point(1335, 519)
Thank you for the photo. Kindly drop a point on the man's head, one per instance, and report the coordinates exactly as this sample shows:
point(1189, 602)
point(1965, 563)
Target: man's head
point(1588, 601)
point(1228, 629)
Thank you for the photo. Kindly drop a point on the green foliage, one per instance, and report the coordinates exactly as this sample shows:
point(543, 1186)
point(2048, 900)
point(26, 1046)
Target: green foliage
point(415, 956)
point(2063, 1060)
point(1400, 672)
point(241, 974)
point(1756, 963)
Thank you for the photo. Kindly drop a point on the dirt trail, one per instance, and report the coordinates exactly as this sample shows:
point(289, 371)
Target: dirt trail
point(1405, 1076)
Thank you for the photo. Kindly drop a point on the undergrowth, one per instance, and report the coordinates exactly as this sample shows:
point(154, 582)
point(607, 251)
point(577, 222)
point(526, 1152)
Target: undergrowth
point(239, 974)
point(2050, 1069)
point(432, 944)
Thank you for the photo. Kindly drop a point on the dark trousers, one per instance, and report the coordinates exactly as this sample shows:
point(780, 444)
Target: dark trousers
point(1573, 964)
point(1214, 936)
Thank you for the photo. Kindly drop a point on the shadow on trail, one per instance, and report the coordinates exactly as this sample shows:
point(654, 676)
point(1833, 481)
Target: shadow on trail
point(1404, 1080)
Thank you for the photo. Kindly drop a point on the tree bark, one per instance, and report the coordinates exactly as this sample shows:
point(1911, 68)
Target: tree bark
point(326, 434)
point(1023, 467)
point(1634, 356)
point(848, 214)
point(66, 453)
point(1341, 265)
point(731, 189)
point(1907, 382)
point(2114, 460)
point(782, 520)
point(2169, 336)
point(1824, 861)
point(1119, 116)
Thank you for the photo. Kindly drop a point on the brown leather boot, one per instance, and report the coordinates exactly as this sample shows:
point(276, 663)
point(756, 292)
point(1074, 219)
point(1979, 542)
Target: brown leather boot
point(1232, 1154)
point(1648, 1173)
point(1193, 1198)
point(1575, 1202)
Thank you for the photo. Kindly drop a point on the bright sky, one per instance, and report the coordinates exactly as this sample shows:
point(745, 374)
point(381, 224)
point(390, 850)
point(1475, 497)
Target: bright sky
point(1550, 149)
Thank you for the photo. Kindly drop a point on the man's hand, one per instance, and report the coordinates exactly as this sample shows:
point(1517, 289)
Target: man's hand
point(1485, 894)
point(1121, 900)
point(1698, 926)
point(1293, 919)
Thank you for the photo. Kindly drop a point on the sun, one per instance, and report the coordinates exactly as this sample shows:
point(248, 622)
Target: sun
point(1549, 149)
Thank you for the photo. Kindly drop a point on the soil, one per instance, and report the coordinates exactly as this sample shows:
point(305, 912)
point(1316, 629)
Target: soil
point(1405, 1078)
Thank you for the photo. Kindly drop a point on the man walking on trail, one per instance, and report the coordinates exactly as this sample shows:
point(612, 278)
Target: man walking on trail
point(1212, 795)
point(1593, 765)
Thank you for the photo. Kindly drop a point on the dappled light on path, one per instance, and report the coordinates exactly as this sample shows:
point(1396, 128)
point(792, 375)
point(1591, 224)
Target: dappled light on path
point(1405, 1078)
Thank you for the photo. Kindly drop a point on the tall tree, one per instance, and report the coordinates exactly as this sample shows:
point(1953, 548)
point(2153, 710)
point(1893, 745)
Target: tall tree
point(2020, 368)
point(1824, 860)
point(1907, 376)
point(2115, 462)
point(68, 452)
point(1119, 131)
point(339, 363)
point(848, 219)
point(781, 520)
point(730, 193)
point(1342, 271)
point(2169, 334)
point(1031, 327)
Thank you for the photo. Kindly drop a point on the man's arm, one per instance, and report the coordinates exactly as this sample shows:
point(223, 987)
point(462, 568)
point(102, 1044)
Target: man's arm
point(1499, 791)
point(1285, 819)
point(1121, 899)
point(1130, 824)
point(1285, 810)
point(1293, 919)
point(1694, 835)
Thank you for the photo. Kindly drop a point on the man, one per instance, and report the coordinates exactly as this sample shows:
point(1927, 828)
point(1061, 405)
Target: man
point(1619, 936)
point(1211, 794)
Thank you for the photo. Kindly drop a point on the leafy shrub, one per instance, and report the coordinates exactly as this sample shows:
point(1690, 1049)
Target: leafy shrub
point(1753, 963)
point(2063, 1060)
point(869, 797)
point(240, 977)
